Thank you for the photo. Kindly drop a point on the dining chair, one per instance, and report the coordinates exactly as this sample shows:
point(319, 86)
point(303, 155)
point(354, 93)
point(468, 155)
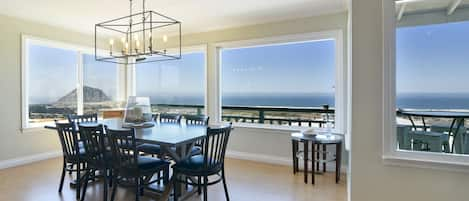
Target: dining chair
point(196, 120)
point(131, 169)
point(97, 155)
point(211, 162)
point(169, 118)
point(73, 154)
point(85, 118)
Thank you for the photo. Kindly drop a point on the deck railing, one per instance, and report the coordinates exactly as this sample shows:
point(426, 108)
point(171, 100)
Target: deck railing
point(293, 116)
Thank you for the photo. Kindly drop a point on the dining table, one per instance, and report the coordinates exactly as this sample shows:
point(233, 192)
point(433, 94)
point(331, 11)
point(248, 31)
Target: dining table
point(176, 140)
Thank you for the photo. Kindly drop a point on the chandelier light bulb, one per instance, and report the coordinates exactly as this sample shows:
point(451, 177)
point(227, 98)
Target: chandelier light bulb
point(165, 38)
point(111, 41)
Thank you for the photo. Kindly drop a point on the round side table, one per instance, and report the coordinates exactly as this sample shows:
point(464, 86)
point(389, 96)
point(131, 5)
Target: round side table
point(320, 139)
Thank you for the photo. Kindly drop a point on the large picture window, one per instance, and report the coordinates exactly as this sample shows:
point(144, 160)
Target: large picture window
point(61, 79)
point(176, 86)
point(428, 93)
point(281, 83)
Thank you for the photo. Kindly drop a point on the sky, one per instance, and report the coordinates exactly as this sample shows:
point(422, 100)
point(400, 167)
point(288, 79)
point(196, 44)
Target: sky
point(433, 59)
point(297, 68)
point(430, 59)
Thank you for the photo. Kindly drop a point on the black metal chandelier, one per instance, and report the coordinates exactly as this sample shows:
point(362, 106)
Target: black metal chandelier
point(138, 38)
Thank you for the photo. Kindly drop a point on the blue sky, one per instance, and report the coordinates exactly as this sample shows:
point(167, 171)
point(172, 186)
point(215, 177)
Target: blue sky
point(433, 58)
point(289, 68)
point(430, 59)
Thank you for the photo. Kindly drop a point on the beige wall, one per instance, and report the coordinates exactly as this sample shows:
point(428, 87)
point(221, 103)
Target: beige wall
point(371, 180)
point(13, 143)
point(272, 145)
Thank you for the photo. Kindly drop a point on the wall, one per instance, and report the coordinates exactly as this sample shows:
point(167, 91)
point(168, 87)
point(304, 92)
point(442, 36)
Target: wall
point(13, 143)
point(257, 144)
point(371, 180)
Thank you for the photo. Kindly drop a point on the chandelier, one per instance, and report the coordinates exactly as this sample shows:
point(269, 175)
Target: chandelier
point(137, 38)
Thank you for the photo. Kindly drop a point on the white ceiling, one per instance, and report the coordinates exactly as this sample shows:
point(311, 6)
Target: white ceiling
point(195, 15)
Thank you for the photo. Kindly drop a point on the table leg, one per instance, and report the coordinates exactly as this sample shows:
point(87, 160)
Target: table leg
point(338, 161)
point(294, 158)
point(305, 160)
point(317, 155)
point(313, 173)
point(324, 156)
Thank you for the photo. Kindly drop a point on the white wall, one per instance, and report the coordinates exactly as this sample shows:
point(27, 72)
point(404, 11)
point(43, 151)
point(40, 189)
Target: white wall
point(371, 180)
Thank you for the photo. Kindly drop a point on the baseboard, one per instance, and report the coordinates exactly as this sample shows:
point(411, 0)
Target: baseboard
point(28, 159)
point(272, 159)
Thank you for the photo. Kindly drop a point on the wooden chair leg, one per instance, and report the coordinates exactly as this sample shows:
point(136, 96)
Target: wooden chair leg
point(227, 196)
point(114, 188)
point(205, 187)
point(105, 185)
point(78, 184)
point(137, 189)
point(294, 158)
point(175, 185)
point(85, 186)
point(64, 167)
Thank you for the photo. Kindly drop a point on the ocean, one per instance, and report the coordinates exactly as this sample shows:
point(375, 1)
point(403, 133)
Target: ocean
point(408, 100)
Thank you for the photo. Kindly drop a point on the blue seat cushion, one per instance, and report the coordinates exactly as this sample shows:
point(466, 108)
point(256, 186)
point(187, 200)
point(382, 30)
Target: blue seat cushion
point(145, 163)
point(149, 148)
point(195, 163)
point(196, 150)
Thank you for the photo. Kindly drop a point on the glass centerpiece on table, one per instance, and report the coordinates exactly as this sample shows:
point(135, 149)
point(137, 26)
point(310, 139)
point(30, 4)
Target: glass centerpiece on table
point(138, 113)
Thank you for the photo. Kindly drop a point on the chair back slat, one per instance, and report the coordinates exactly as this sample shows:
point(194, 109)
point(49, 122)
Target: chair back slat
point(169, 118)
point(124, 148)
point(68, 139)
point(94, 142)
point(214, 146)
point(196, 119)
point(85, 118)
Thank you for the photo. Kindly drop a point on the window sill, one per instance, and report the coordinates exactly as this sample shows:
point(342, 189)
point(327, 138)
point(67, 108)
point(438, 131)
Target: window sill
point(445, 162)
point(33, 130)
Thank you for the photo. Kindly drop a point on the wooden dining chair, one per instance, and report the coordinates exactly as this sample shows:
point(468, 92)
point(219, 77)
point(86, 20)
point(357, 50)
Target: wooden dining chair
point(73, 154)
point(130, 166)
point(85, 118)
point(97, 156)
point(169, 118)
point(211, 162)
point(196, 120)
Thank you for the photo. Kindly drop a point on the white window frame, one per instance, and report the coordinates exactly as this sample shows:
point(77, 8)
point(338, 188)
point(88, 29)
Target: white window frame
point(340, 82)
point(80, 51)
point(132, 84)
point(391, 155)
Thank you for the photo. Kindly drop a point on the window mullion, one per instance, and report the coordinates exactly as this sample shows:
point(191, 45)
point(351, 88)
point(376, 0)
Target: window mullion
point(80, 83)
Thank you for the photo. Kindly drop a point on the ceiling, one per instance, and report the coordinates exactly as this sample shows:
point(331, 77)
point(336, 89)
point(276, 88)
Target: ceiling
point(195, 15)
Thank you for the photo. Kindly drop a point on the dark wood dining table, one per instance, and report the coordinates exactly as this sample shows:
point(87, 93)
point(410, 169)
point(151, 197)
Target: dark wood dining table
point(176, 140)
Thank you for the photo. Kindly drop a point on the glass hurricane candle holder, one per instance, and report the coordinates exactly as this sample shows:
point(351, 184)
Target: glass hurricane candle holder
point(138, 112)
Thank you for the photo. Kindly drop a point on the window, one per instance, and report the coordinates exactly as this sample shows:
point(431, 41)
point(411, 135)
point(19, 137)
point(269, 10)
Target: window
point(427, 92)
point(53, 74)
point(279, 83)
point(101, 81)
point(175, 86)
